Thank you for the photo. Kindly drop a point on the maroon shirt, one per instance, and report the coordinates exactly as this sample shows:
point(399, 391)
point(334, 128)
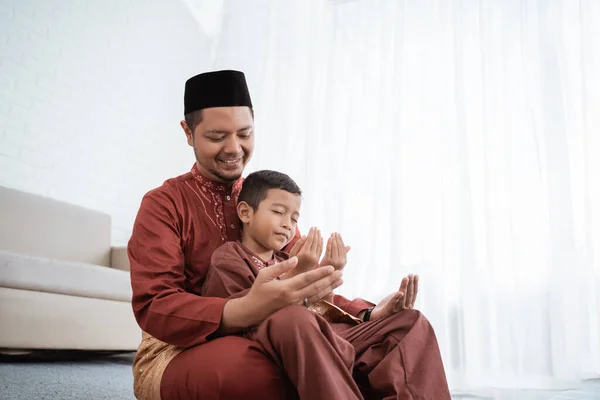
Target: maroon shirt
point(233, 269)
point(178, 227)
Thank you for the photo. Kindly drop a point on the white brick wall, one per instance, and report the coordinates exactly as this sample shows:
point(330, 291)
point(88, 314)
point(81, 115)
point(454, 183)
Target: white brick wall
point(91, 94)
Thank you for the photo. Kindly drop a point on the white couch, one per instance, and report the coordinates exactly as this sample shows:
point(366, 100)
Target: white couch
point(62, 285)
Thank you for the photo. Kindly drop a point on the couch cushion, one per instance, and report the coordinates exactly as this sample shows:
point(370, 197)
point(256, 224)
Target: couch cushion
point(21, 271)
point(37, 320)
point(37, 225)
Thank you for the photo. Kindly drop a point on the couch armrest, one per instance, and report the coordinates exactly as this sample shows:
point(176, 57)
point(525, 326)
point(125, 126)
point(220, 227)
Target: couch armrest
point(119, 258)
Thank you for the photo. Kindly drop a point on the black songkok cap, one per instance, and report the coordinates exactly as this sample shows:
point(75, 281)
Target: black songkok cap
point(216, 89)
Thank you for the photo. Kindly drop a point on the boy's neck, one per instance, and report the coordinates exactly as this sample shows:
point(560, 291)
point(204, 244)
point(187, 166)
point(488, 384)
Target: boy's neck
point(255, 247)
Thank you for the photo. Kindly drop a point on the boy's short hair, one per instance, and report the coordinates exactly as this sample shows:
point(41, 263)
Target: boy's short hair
point(257, 184)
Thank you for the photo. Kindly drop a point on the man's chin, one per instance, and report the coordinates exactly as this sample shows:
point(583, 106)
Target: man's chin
point(228, 176)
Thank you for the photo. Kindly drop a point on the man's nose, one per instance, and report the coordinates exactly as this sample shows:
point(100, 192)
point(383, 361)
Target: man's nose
point(232, 146)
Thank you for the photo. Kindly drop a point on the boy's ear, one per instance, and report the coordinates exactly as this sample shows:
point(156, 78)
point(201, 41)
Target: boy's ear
point(244, 212)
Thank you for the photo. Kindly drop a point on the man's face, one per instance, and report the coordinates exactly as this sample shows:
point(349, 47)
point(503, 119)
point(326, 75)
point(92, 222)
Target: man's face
point(223, 142)
point(273, 224)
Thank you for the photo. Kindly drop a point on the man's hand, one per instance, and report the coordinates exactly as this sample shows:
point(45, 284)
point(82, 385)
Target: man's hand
point(335, 252)
point(269, 294)
point(308, 249)
point(403, 299)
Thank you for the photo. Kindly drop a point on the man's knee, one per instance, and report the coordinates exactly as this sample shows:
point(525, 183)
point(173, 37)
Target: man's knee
point(409, 315)
point(289, 326)
point(405, 323)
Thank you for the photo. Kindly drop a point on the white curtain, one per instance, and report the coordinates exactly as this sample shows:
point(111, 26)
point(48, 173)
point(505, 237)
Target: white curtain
point(459, 140)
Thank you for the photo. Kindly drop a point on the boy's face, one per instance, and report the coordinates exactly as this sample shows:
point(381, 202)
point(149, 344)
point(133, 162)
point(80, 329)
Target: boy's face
point(273, 225)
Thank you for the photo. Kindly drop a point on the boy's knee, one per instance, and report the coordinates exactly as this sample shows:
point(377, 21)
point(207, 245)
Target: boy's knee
point(291, 317)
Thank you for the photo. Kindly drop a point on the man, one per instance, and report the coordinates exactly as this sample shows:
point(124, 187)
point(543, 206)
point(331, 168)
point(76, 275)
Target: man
point(189, 349)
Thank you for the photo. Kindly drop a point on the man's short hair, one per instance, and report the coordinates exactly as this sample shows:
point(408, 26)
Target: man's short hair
point(193, 119)
point(257, 184)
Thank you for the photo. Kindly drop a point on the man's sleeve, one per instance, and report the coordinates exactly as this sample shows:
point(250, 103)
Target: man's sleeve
point(161, 305)
point(352, 307)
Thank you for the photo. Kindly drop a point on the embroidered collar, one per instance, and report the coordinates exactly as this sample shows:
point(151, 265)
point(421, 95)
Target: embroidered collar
point(257, 260)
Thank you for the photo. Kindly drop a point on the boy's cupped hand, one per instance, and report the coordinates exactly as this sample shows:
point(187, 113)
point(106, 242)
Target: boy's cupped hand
point(335, 252)
point(308, 249)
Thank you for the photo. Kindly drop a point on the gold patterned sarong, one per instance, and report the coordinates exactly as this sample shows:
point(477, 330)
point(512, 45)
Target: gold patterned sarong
point(150, 363)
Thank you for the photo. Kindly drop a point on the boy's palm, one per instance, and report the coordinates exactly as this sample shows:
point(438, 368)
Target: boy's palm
point(308, 249)
point(335, 253)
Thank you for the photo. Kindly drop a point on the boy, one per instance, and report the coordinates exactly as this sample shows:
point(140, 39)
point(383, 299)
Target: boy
point(269, 208)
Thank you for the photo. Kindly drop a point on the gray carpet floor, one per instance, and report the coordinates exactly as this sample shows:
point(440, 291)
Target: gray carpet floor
point(84, 377)
point(78, 377)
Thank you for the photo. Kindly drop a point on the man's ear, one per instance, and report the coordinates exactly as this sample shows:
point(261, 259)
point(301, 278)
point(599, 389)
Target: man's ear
point(244, 211)
point(188, 132)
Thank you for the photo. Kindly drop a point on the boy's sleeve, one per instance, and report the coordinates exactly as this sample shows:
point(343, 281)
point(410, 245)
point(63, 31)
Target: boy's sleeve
point(228, 276)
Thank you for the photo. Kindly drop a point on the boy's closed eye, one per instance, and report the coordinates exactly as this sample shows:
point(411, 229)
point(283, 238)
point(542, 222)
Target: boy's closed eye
point(294, 220)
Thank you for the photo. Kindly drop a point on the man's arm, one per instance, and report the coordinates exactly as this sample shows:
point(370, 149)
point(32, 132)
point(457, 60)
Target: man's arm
point(356, 307)
point(269, 294)
point(161, 305)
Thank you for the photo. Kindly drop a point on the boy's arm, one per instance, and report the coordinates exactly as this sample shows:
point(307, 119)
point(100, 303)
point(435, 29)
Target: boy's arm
point(228, 276)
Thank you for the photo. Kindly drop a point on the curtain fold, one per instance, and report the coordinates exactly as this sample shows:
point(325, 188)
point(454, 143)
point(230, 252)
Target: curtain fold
point(458, 140)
